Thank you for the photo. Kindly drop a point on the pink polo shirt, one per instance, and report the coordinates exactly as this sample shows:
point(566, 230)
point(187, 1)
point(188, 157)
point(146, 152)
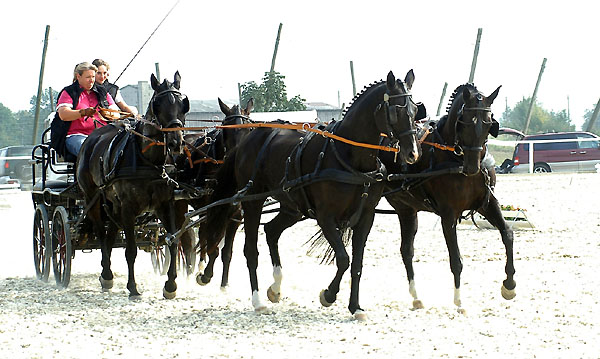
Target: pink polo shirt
point(83, 126)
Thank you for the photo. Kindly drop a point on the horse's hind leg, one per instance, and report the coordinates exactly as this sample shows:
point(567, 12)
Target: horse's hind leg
point(106, 244)
point(493, 214)
point(284, 219)
point(408, 229)
point(342, 260)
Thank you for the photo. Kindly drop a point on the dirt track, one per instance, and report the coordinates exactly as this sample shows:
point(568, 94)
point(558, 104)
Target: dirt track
point(555, 313)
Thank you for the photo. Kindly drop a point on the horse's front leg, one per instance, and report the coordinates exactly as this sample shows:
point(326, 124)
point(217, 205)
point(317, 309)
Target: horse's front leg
point(359, 239)
point(106, 244)
point(227, 250)
point(285, 218)
point(449, 228)
point(408, 229)
point(252, 213)
point(130, 253)
point(493, 214)
point(166, 214)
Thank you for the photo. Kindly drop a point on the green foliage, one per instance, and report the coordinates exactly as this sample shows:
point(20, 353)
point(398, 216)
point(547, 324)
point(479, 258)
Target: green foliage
point(541, 120)
point(271, 94)
point(588, 118)
point(17, 128)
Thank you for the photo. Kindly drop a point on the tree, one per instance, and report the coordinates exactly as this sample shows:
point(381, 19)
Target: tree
point(588, 118)
point(7, 125)
point(271, 94)
point(541, 120)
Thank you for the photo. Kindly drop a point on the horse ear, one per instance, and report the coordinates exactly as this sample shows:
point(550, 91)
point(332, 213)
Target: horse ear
point(409, 79)
point(177, 80)
point(224, 108)
point(249, 105)
point(154, 82)
point(492, 97)
point(186, 105)
point(391, 80)
point(495, 127)
point(466, 94)
point(421, 112)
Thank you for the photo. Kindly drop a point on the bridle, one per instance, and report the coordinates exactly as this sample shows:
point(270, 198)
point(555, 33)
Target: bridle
point(173, 123)
point(392, 116)
point(461, 149)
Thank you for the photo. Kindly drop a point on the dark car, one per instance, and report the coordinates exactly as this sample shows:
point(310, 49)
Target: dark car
point(14, 162)
point(559, 152)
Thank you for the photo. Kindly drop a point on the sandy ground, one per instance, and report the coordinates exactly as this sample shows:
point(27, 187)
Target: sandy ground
point(554, 315)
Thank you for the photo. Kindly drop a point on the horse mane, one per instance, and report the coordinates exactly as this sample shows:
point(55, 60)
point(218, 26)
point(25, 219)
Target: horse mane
point(360, 94)
point(457, 91)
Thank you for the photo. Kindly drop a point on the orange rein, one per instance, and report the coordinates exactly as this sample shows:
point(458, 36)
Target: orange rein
point(299, 126)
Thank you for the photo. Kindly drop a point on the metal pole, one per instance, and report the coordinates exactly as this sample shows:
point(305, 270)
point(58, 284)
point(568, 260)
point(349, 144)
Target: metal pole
point(537, 84)
point(475, 54)
point(594, 117)
point(240, 94)
point(157, 71)
point(442, 99)
point(352, 74)
point(276, 47)
point(40, 84)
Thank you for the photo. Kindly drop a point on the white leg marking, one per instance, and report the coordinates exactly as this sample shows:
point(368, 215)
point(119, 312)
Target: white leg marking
point(361, 315)
point(417, 304)
point(277, 276)
point(201, 266)
point(221, 244)
point(457, 301)
point(257, 303)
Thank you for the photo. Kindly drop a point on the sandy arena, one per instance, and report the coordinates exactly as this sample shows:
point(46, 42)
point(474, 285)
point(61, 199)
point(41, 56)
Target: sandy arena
point(555, 314)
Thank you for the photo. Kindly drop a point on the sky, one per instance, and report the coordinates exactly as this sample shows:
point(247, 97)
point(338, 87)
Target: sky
point(216, 45)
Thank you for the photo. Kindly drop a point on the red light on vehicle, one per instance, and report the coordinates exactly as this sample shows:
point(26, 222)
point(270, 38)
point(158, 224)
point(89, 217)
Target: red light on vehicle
point(516, 161)
point(6, 164)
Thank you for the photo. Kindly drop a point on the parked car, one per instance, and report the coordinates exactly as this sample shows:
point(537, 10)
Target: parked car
point(577, 152)
point(19, 167)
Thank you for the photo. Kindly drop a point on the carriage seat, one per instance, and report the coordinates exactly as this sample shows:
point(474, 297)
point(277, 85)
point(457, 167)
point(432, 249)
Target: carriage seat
point(54, 185)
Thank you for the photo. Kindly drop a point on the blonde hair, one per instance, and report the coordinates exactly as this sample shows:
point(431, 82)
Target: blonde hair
point(81, 67)
point(100, 62)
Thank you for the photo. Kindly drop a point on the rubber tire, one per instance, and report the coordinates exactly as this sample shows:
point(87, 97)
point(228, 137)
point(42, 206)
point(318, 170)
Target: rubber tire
point(541, 168)
point(42, 243)
point(62, 248)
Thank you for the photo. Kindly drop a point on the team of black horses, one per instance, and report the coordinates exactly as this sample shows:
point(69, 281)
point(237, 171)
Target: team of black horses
point(336, 174)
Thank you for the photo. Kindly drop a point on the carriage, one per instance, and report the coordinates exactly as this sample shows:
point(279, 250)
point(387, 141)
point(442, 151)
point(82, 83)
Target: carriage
point(60, 229)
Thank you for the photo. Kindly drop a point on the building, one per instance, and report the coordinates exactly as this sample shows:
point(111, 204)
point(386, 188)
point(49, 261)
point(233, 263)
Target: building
point(138, 95)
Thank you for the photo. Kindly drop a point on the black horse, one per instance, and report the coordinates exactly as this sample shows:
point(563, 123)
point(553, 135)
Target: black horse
point(123, 174)
point(336, 183)
point(207, 155)
point(459, 139)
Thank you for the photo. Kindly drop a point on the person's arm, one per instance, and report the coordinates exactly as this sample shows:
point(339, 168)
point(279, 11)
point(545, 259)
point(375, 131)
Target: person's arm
point(68, 114)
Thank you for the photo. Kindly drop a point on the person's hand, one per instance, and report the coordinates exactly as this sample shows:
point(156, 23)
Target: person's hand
point(87, 112)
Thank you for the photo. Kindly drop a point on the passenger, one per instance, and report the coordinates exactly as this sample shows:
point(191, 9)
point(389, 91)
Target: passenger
point(76, 107)
point(102, 79)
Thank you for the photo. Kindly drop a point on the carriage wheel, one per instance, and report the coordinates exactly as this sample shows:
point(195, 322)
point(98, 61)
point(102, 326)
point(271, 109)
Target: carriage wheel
point(41, 243)
point(161, 259)
point(62, 249)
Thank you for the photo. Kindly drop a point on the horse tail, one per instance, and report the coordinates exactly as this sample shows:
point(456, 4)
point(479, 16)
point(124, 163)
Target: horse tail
point(218, 217)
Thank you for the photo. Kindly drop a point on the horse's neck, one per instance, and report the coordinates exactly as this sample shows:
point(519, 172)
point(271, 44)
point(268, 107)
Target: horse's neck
point(154, 154)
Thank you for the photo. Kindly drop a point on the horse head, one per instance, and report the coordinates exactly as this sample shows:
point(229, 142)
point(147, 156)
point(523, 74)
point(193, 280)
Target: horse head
point(396, 116)
point(235, 116)
point(167, 109)
point(474, 122)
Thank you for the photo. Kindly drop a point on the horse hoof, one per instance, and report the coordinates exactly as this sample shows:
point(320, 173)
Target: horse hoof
point(323, 300)
point(261, 309)
point(273, 297)
point(169, 295)
point(106, 284)
point(508, 294)
point(361, 315)
point(462, 311)
point(200, 280)
point(135, 297)
point(417, 304)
